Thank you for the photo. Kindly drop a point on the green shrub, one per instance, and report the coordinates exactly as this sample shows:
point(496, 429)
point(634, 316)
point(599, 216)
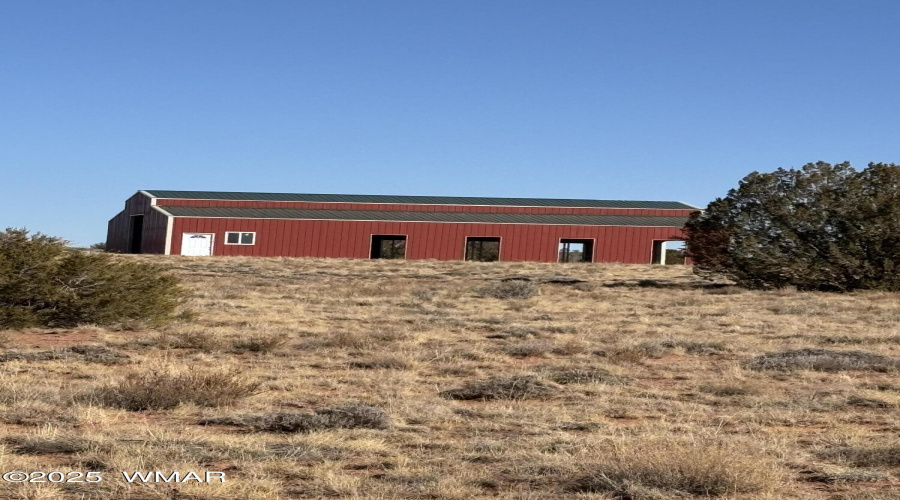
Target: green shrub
point(823, 227)
point(674, 257)
point(44, 283)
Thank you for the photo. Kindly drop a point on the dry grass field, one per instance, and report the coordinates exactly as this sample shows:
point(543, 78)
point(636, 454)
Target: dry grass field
point(308, 378)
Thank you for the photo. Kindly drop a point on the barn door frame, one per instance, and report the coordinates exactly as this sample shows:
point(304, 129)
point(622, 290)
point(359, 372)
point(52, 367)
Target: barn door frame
point(212, 243)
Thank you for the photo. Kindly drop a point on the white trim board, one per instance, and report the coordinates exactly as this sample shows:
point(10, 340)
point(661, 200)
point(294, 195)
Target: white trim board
point(170, 220)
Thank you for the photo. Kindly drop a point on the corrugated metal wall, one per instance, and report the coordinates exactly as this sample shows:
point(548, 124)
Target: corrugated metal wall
point(425, 240)
point(153, 239)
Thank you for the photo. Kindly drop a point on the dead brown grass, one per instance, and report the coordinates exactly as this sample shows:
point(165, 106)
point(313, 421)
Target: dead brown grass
point(824, 360)
point(310, 378)
point(346, 416)
point(657, 468)
point(162, 389)
point(515, 387)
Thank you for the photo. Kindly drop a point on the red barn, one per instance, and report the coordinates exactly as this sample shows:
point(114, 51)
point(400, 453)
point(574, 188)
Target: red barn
point(412, 227)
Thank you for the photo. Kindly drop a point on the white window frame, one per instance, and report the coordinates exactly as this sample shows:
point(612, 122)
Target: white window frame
point(239, 233)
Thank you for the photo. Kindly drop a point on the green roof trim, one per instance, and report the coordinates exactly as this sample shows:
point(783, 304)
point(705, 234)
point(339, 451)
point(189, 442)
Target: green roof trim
point(424, 200)
point(396, 216)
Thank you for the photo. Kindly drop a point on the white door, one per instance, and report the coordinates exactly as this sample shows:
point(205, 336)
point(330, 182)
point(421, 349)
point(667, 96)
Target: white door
point(196, 244)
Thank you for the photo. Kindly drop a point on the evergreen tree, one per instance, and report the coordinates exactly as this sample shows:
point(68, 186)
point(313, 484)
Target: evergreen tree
point(822, 227)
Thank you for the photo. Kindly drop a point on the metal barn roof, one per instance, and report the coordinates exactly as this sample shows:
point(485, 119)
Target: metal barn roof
point(378, 215)
point(424, 200)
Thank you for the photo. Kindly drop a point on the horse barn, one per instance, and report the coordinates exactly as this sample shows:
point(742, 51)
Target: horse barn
point(199, 223)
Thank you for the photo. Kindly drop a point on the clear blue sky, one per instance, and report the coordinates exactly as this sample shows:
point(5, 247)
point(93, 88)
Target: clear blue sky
point(668, 100)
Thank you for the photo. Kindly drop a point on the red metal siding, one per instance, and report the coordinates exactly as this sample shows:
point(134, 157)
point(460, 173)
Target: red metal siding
point(425, 240)
point(422, 208)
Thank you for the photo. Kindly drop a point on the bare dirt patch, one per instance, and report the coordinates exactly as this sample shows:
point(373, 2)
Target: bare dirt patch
point(40, 338)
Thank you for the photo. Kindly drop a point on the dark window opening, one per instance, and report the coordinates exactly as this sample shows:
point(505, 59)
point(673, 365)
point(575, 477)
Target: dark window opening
point(483, 249)
point(388, 246)
point(668, 253)
point(137, 231)
point(571, 250)
point(237, 238)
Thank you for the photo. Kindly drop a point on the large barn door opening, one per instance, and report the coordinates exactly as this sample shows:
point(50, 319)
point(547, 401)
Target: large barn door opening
point(668, 253)
point(576, 250)
point(136, 233)
point(196, 244)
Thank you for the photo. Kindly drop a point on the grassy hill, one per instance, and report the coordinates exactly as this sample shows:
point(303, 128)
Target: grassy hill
point(307, 378)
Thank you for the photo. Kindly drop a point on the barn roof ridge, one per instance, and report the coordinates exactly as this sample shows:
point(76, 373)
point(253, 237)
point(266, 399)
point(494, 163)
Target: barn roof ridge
point(398, 216)
point(422, 200)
